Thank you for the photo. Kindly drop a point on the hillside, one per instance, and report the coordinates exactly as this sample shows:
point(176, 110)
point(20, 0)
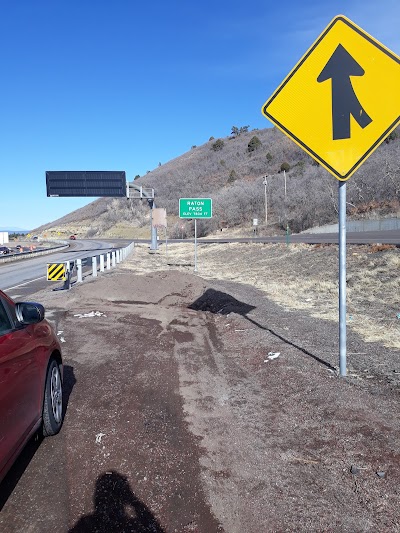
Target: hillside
point(231, 171)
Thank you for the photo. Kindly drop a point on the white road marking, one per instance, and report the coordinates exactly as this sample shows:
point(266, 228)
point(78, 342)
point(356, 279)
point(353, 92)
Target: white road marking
point(26, 283)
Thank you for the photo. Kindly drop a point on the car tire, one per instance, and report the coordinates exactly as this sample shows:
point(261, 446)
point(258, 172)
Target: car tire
point(52, 403)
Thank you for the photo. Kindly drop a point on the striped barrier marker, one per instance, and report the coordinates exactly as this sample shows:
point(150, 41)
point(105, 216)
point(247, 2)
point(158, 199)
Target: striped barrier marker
point(56, 272)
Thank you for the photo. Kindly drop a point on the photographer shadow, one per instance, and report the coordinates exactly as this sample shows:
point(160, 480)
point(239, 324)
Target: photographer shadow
point(116, 508)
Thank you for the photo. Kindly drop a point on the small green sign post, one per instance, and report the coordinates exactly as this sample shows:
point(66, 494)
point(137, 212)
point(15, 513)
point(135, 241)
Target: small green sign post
point(195, 208)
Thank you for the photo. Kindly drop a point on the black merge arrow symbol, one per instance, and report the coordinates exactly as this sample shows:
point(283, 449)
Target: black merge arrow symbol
point(339, 68)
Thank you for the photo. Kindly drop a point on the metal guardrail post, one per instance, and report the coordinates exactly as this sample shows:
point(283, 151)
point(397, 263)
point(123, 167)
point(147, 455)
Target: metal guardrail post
point(118, 256)
point(79, 270)
point(108, 261)
point(102, 263)
point(68, 275)
point(113, 259)
point(94, 266)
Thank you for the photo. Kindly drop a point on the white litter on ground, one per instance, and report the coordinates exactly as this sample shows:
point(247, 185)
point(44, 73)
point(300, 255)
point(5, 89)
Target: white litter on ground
point(90, 315)
point(271, 356)
point(99, 436)
point(59, 334)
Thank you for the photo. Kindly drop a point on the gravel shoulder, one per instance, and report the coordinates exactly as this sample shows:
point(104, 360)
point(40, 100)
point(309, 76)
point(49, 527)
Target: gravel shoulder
point(211, 401)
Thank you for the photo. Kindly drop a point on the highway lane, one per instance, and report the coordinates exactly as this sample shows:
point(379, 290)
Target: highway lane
point(371, 237)
point(29, 275)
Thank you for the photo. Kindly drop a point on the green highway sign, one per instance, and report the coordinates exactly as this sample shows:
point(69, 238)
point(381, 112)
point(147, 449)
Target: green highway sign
point(195, 207)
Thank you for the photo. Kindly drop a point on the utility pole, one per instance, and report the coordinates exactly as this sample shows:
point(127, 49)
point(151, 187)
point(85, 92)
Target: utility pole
point(284, 175)
point(265, 183)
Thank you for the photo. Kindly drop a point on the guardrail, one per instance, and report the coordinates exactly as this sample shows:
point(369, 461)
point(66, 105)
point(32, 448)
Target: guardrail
point(94, 265)
point(24, 255)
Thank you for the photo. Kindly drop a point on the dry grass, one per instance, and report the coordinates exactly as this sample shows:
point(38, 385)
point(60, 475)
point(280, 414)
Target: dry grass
point(381, 248)
point(299, 277)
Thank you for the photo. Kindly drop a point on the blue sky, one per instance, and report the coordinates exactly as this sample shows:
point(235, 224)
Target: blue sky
point(124, 85)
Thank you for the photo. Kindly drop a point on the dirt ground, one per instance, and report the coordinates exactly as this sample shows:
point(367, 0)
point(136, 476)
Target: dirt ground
point(211, 401)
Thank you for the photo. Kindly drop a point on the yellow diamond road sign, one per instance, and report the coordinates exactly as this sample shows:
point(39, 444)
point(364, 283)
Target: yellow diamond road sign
point(341, 99)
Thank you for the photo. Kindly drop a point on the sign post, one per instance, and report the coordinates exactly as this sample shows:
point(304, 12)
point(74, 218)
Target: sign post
point(195, 245)
point(342, 279)
point(194, 208)
point(338, 104)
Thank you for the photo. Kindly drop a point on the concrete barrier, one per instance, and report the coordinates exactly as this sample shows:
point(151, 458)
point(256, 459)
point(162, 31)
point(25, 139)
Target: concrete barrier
point(24, 255)
point(385, 224)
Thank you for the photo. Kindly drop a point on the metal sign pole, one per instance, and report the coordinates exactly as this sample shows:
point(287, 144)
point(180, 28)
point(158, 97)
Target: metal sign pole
point(342, 278)
point(265, 183)
point(154, 243)
point(154, 240)
point(195, 244)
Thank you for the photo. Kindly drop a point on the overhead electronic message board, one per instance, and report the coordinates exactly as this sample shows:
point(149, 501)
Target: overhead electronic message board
point(106, 183)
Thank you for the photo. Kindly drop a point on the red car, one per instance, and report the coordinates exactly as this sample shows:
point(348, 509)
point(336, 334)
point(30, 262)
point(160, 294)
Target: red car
point(72, 238)
point(30, 378)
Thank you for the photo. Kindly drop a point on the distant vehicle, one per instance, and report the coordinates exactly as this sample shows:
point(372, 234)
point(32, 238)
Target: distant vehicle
point(35, 238)
point(31, 378)
point(5, 250)
point(72, 238)
point(19, 247)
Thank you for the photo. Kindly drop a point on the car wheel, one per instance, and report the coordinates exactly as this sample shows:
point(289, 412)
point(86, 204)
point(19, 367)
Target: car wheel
point(52, 404)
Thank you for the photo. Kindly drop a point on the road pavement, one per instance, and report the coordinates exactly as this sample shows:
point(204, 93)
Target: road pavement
point(30, 275)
